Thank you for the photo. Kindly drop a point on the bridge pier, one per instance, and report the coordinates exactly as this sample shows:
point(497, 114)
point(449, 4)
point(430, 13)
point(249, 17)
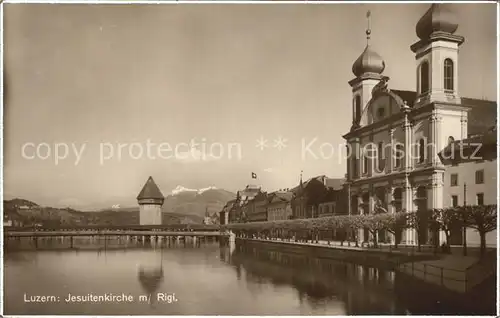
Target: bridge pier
point(171, 235)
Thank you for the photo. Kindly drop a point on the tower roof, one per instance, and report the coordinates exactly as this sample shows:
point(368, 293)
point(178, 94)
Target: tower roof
point(369, 61)
point(150, 191)
point(438, 18)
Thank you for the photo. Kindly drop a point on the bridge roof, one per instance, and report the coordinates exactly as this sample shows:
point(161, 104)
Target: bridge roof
point(150, 191)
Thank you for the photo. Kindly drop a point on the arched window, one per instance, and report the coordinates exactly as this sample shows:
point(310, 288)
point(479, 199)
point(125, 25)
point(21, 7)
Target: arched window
point(424, 77)
point(451, 139)
point(399, 155)
point(365, 163)
point(357, 103)
point(448, 75)
point(380, 156)
point(354, 162)
point(421, 150)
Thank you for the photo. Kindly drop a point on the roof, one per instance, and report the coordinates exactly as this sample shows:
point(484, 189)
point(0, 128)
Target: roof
point(483, 113)
point(249, 192)
point(281, 195)
point(368, 62)
point(335, 183)
point(468, 150)
point(482, 116)
point(150, 191)
point(438, 18)
point(285, 196)
point(229, 205)
point(407, 96)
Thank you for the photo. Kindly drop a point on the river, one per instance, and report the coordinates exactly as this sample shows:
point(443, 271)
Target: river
point(189, 279)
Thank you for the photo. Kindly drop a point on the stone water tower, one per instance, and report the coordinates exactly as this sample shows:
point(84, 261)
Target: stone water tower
point(150, 201)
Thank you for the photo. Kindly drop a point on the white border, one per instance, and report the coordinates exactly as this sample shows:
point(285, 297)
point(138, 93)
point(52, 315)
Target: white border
point(234, 1)
point(121, 2)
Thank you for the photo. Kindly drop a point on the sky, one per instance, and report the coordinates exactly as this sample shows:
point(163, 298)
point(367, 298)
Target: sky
point(108, 82)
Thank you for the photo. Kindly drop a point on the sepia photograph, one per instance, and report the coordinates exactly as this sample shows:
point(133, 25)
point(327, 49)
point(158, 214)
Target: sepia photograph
point(249, 158)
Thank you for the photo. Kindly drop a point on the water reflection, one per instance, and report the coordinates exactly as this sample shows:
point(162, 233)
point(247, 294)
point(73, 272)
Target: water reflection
point(207, 280)
point(319, 282)
point(150, 274)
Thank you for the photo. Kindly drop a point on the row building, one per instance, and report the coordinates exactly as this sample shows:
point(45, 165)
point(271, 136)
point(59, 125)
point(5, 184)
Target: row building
point(317, 197)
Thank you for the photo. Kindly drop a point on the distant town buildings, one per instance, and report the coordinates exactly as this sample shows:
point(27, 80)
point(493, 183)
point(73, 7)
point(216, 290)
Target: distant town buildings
point(258, 208)
point(316, 197)
point(279, 206)
point(315, 192)
point(398, 137)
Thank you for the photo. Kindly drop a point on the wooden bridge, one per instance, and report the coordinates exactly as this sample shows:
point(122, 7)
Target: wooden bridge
point(192, 230)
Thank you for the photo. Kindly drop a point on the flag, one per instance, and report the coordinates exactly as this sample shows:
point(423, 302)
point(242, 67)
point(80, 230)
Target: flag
point(254, 175)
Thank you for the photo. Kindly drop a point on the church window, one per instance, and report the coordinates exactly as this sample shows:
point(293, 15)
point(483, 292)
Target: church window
point(399, 155)
point(424, 77)
point(354, 162)
point(381, 156)
point(365, 163)
point(381, 112)
point(421, 150)
point(448, 75)
point(358, 107)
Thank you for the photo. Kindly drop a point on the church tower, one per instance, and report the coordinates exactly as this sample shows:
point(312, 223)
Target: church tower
point(368, 69)
point(150, 201)
point(436, 54)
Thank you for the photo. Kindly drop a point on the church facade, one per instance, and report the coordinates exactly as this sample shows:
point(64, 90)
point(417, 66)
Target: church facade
point(396, 136)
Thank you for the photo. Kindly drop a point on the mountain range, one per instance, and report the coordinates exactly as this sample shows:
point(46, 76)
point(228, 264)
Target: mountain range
point(182, 205)
point(187, 201)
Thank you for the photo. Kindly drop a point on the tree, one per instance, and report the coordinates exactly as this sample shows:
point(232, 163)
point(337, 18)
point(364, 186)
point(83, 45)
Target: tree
point(434, 223)
point(418, 221)
point(483, 218)
point(448, 220)
point(395, 223)
point(374, 223)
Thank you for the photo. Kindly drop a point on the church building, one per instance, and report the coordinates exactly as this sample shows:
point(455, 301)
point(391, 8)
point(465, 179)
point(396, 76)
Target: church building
point(396, 136)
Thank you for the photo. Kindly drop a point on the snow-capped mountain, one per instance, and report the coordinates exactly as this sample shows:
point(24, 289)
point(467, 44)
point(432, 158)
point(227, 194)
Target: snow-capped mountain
point(181, 189)
point(184, 200)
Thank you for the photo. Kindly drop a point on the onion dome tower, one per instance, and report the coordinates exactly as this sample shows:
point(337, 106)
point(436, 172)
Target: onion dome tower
point(437, 56)
point(438, 18)
point(150, 201)
point(368, 69)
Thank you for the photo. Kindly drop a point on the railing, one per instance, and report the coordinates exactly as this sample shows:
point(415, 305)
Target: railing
point(449, 278)
point(478, 272)
point(453, 279)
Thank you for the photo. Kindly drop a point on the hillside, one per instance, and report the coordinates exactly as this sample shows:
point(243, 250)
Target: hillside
point(196, 203)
